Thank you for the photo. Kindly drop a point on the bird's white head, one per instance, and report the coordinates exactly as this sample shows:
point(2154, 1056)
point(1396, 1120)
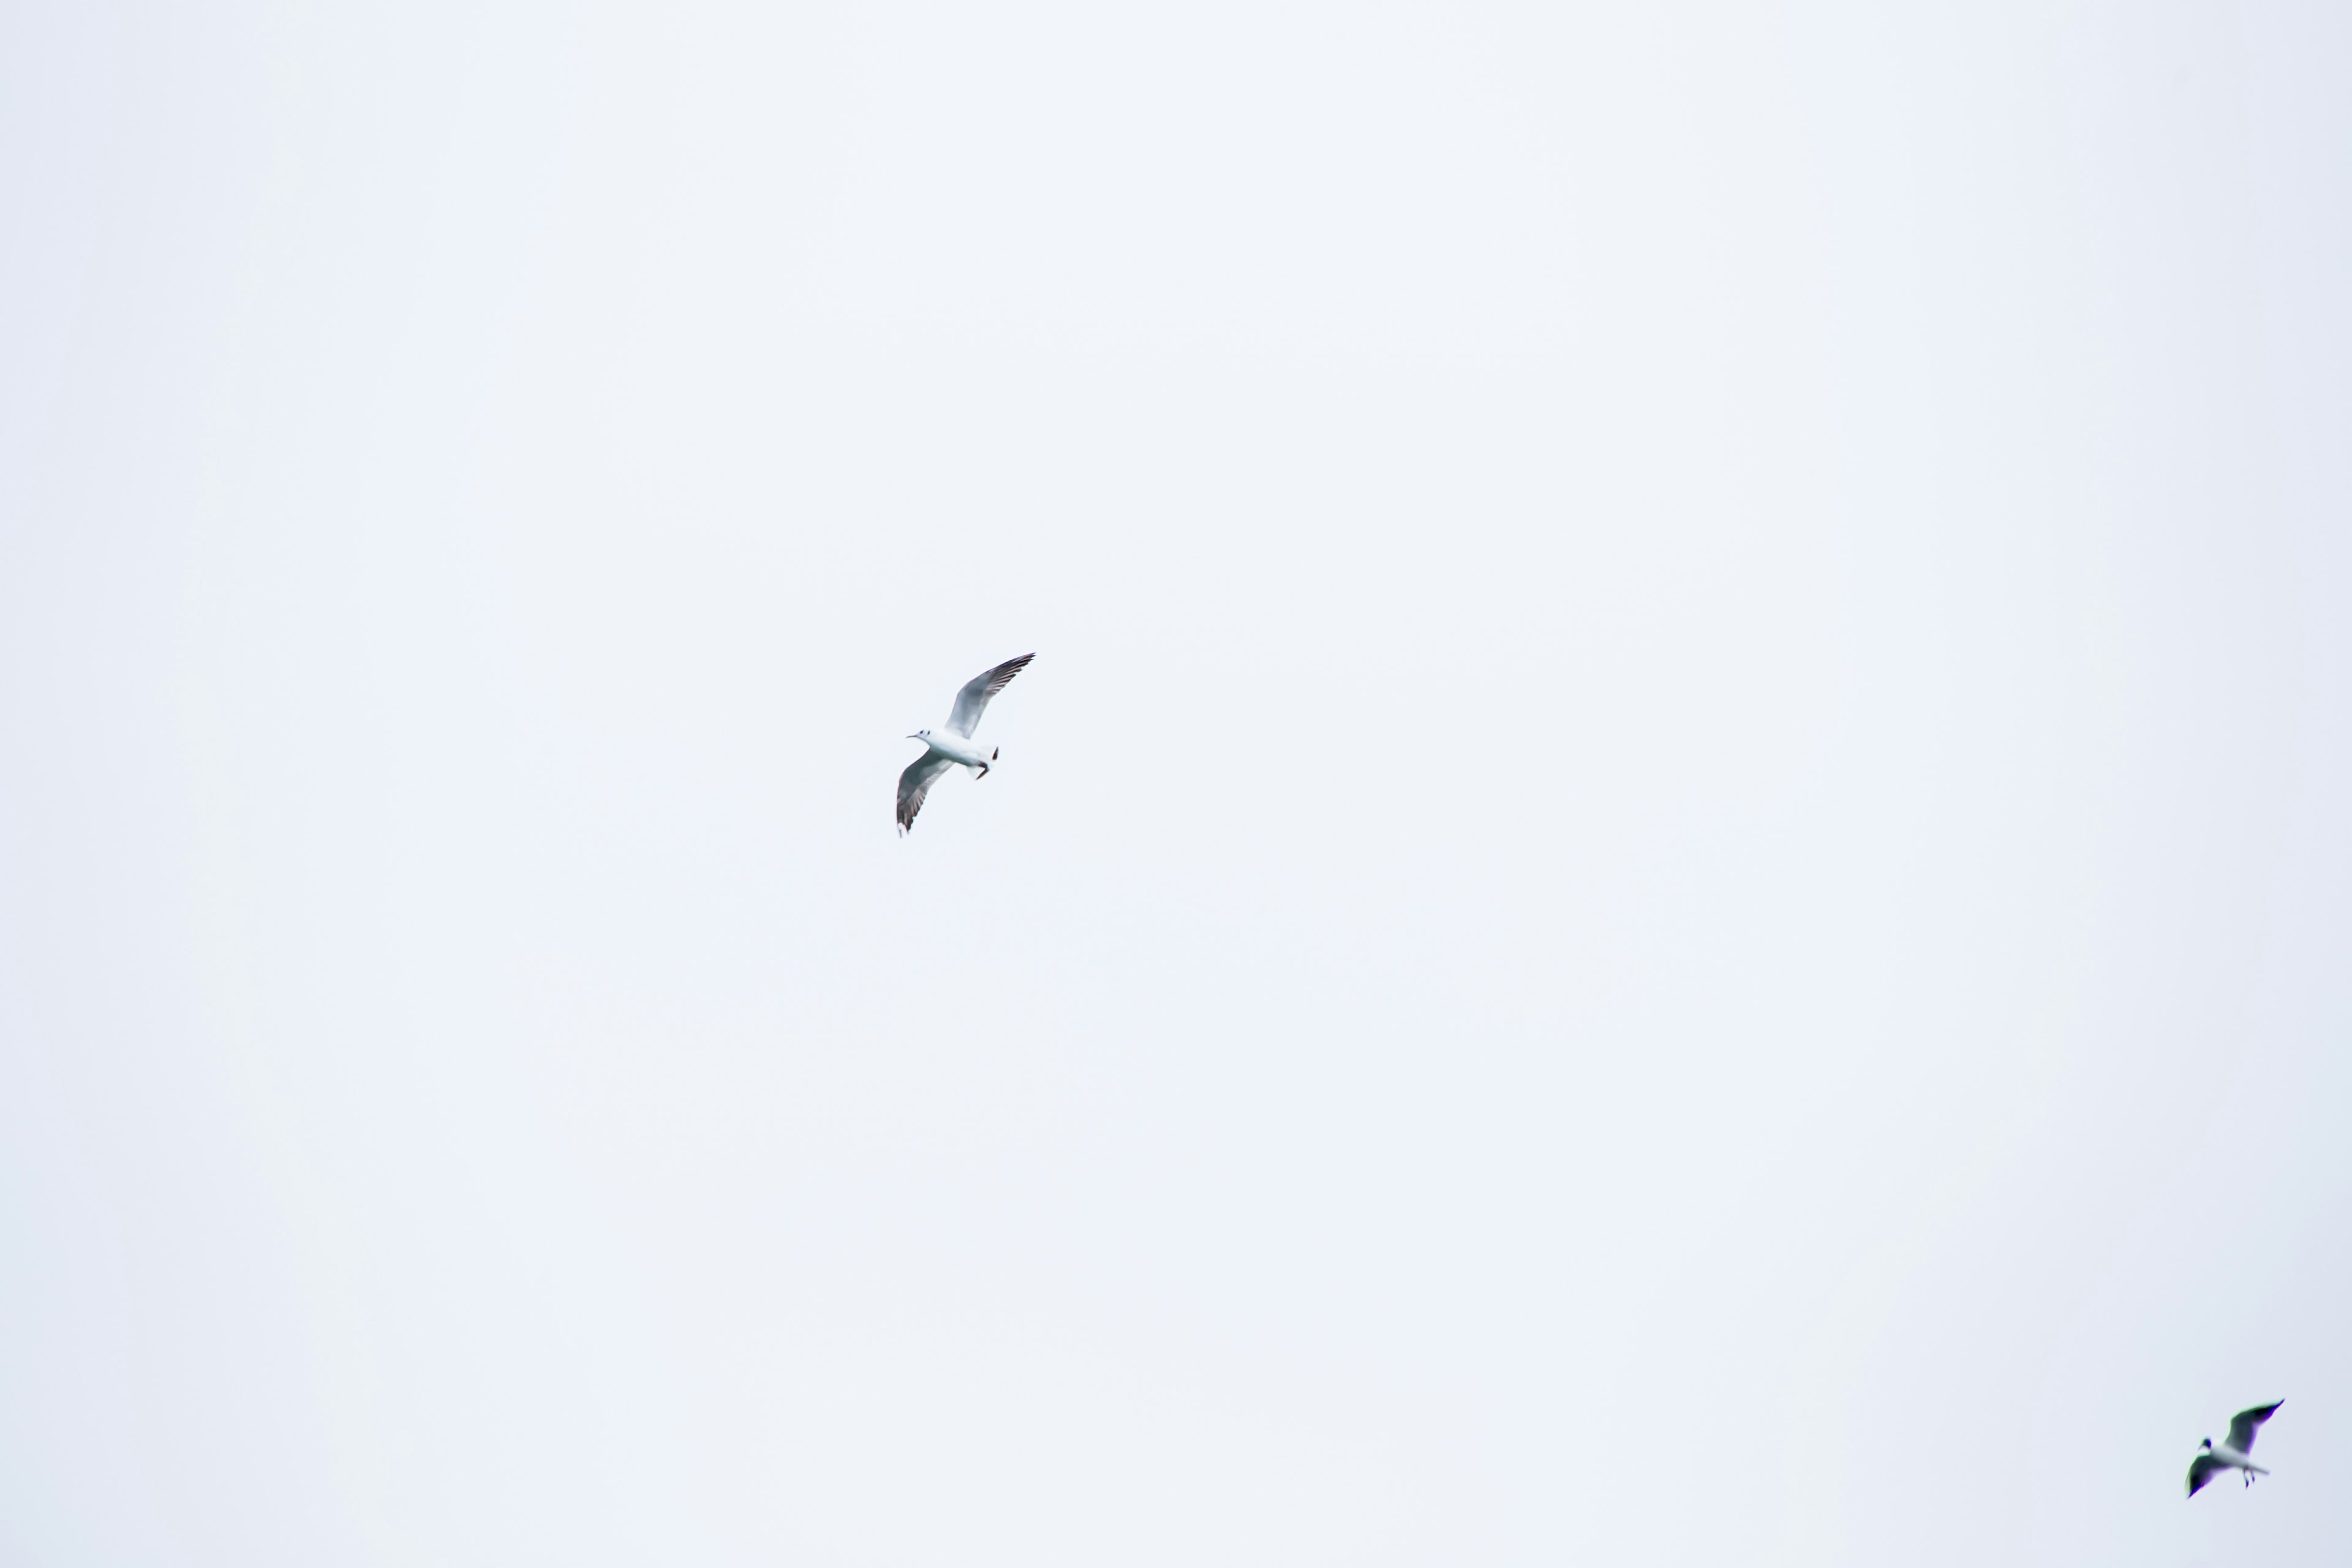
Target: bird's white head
point(920, 735)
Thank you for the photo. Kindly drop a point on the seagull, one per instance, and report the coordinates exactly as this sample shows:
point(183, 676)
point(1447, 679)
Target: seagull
point(954, 746)
point(2231, 1453)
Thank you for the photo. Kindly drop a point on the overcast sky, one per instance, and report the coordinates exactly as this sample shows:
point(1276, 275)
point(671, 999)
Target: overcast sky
point(1676, 867)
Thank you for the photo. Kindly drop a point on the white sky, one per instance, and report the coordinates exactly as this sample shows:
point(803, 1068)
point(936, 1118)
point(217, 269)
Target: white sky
point(1675, 865)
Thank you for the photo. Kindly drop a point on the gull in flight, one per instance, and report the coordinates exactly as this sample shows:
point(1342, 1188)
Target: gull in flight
point(955, 745)
point(2231, 1453)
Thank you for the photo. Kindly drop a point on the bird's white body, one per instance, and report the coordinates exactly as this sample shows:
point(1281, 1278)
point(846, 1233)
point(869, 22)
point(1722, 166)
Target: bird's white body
point(955, 748)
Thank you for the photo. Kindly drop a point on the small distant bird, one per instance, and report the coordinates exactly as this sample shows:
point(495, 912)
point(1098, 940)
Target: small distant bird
point(2231, 1453)
point(954, 747)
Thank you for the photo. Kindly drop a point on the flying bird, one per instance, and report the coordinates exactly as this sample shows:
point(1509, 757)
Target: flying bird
point(943, 751)
point(2231, 1453)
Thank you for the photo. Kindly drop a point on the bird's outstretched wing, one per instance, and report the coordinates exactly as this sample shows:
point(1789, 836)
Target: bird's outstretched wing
point(915, 783)
point(978, 691)
point(2245, 1423)
point(2201, 1469)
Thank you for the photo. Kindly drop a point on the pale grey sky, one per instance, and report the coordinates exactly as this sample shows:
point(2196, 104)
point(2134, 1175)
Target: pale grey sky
point(1676, 862)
